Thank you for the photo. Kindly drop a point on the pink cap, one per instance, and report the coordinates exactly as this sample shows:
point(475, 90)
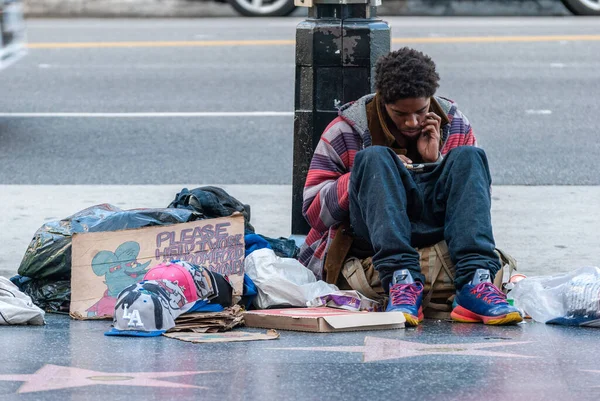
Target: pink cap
point(178, 275)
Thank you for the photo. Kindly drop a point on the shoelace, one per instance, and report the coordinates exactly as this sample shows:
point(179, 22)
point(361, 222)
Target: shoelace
point(490, 293)
point(405, 294)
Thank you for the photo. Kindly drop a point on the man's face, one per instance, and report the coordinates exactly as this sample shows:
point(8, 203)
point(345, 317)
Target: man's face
point(409, 115)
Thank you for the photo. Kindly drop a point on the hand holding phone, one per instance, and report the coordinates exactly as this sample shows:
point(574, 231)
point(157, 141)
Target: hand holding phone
point(428, 143)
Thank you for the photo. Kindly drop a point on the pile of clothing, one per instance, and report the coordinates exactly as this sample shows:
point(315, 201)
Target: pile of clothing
point(16, 307)
point(45, 271)
point(162, 294)
point(175, 295)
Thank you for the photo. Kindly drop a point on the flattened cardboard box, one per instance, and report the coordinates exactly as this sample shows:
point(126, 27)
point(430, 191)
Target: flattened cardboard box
point(323, 320)
point(105, 263)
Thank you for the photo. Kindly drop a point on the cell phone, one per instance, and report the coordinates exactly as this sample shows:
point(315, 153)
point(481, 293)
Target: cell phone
point(434, 106)
point(422, 167)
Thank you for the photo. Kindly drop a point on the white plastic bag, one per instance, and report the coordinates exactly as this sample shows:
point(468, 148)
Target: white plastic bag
point(16, 307)
point(282, 281)
point(570, 299)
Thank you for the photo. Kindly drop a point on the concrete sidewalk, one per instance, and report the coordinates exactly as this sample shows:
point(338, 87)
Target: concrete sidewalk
point(548, 229)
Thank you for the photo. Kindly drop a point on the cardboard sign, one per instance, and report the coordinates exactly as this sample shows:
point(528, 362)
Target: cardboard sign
point(323, 320)
point(105, 263)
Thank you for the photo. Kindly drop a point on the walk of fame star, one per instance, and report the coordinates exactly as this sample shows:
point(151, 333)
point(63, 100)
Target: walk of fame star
point(592, 371)
point(380, 349)
point(53, 377)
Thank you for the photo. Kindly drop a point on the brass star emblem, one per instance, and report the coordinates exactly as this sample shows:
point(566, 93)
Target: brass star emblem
point(592, 371)
point(381, 349)
point(53, 377)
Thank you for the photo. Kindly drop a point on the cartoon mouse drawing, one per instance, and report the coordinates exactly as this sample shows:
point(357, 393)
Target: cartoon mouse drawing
point(120, 270)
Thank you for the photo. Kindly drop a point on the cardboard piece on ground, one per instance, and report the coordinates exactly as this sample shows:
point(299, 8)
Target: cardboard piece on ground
point(223, 337)
point(105, 263)
point(323, 320)
point(209, 322)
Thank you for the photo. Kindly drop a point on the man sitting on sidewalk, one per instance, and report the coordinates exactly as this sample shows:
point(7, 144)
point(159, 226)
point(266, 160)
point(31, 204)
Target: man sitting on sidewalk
point(363, 173)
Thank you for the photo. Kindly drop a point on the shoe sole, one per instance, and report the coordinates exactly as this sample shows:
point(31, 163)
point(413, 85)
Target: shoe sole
point(462, 315)
point(412, 320)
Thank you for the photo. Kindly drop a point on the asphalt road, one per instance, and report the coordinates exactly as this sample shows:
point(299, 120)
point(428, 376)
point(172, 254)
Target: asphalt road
point(533, 102)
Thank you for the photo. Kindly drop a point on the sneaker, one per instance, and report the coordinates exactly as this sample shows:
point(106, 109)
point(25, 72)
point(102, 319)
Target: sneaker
point(406, 297)
point(482, 301)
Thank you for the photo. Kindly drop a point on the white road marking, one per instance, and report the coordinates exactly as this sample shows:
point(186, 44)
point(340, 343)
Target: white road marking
point(167, 66)
point(557, 65)
point(542, 112)
point(153, 115)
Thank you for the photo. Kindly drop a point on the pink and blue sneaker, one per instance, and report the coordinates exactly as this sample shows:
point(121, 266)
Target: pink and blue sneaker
point(481, 301)
point(406, 296)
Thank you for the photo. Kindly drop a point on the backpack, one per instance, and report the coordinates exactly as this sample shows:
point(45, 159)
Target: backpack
point(436, 266)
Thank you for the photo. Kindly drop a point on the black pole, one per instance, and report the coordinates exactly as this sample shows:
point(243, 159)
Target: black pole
point(337, 47)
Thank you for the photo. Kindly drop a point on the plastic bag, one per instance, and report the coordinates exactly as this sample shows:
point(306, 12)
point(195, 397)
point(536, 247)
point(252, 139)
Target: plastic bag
point(569, 299)
point(216, 202)
point(48, 255)
point(348, 300)
point(283, 281)
point(16, 307)
point(211, 202)
point(50, 295)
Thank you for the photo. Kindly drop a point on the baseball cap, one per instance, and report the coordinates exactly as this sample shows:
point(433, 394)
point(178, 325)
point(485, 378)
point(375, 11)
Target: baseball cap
point(148, 308)
point(204, 279)
point(211, 286)
point(224, 291)
point(177, 274)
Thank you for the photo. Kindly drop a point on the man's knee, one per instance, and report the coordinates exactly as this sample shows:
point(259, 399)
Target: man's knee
point(466, 151)
point(468, 160)
point(375, 155)
point(467, 155)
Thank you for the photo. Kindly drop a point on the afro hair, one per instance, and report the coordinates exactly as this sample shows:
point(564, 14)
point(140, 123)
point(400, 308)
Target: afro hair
point(404, 74)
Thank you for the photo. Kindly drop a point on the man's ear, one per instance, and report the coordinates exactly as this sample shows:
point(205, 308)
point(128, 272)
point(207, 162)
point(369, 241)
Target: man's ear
point(102, 261)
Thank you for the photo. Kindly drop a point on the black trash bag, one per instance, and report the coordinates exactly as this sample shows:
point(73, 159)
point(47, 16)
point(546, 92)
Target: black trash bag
point(212, 202)
point(48, 256)
point(283, 247)
point(48, 294)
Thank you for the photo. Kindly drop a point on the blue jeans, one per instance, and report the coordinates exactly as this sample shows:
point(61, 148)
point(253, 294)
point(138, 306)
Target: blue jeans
point(395, 211)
